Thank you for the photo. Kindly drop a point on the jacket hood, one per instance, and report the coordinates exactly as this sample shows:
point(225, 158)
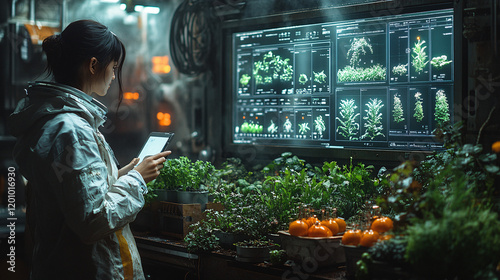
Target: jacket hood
point(45, 99)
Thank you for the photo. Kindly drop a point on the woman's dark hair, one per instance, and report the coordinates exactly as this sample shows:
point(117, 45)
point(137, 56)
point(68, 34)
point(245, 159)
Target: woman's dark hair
point(80, 41)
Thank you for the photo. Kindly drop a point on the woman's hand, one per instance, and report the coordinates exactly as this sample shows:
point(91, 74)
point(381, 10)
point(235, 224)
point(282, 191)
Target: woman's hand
point(124, 170)
point(151, 166)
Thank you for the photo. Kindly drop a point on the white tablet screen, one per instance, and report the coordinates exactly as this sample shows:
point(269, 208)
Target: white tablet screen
point(153, 146)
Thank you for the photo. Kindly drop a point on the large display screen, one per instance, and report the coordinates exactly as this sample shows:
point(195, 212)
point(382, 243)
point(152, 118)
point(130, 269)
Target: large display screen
point(370, 83)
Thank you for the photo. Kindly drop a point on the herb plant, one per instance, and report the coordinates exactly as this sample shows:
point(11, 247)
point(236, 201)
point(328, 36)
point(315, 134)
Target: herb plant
point(439, 62)
point(245, 79)
point(419, 109)
point(397, 112)
point(251, 128)
point(357, 48)
point(303, 79)
point(272, 67)
point(400, 70)
point(319, 125)
point(287, 126)
point(320, 77)
point(354, 73)
point(442, 109)
point(373, 125)
point(419, 56)
point(272, 128)
point(303, 128)
point(348, 116)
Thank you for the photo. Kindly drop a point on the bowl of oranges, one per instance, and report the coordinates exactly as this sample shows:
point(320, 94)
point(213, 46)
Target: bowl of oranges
point(316, 241)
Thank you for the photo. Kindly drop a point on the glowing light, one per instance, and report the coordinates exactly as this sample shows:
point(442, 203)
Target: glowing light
point(131, 95)
point(164, 119)
point(147, 9)
point(161, 65)
point(123, 7)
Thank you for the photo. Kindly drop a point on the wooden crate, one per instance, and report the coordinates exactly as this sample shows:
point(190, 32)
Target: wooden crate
point(175, 218)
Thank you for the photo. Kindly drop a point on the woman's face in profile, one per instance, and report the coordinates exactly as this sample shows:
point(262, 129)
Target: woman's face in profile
point(101, 86)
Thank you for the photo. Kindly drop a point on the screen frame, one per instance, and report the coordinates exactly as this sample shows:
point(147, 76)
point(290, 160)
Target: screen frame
point(168, 135)
point(252, 152)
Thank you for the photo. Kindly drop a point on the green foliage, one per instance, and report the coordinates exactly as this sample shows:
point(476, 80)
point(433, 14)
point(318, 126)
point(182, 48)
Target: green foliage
point(272, 67)
point(442, 109)
point(348, 126)
point(351, 74)
point(287, 126)
point(245, 79)
point(419, 109)
point(320, 77)
point(439, 62)
point(303, 128)
point(357, 48)
point(303, 79)
point(251, 128)
point(184, 174)
point(319, 125)
point(201, 237)
point(397, 112)
point(373, 125)
point(400, 70)
point(419, 56)
point(272, 128)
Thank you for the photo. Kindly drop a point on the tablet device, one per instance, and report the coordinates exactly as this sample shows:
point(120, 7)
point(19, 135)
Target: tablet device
point(157, 142)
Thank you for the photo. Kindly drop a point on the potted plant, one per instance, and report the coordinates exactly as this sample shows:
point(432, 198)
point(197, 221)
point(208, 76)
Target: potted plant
point(254, 250)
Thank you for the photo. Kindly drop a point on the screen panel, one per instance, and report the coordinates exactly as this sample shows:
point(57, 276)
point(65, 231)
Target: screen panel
point(377, 83)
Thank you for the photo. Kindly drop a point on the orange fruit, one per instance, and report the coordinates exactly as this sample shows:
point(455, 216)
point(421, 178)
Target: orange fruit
point(496, 147)
point(384, 237)
point(369, 238)
point(351, 237)
point(382, 225)
point(332, 225)
point(298, 228)
point(341, 223)
point(311, 220)
point(318, 230)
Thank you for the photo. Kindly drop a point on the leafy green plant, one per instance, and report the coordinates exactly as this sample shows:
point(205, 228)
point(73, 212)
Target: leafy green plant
point(348, 119)
point(400, 70)
point(201, 237)
point(184, 174)
point(373, 125)
point(245, 79)
point(303, 128)
point(419, 109)
point(287, 126)
point(319, 125)
point(439, 62)
point(442, 108)
point(272, 128)
point(247, 127)
point(320, 77)
point(357, 48)
point(351, 74)
point(303, 79)
point(272, 67)
point(397, 112)
point(419, 56)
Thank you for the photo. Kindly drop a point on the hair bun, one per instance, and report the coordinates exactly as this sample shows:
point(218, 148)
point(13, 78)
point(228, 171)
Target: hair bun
point(52, 46)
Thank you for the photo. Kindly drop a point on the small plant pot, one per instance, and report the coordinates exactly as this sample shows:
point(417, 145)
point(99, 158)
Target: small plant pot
point(166, 195)
point(195, 197)
point(227, 239)
point(253, 254)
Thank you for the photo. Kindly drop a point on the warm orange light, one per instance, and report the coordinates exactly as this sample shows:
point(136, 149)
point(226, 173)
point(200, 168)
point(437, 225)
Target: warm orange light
point(160, 65)
point(130, 95)
point(256, 118)
point(418, 38)
point(163, 119)
point(302, 117)
point(244, 117)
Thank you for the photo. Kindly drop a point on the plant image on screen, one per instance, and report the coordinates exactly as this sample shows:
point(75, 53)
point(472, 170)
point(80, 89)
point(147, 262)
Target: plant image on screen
point(419, 109)
point(373, 125)
point(320, 77)
point(439, 61)
point(398, 112)
point(354, 73)
point(272, 67)
point(319, 125)
point(287, 126)
point(442, 110)
point(303, 79)
point(419, 56)
point(348, 126)
point(272, 128)
point(251, 128)
point(303, 128)
point(400, 70)
point(245, 79)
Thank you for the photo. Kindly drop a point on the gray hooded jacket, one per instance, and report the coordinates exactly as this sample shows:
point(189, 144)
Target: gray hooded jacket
point(78, 209)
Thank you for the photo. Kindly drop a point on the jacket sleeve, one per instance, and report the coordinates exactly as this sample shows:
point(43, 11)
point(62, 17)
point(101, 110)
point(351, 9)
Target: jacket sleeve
point(91, 207)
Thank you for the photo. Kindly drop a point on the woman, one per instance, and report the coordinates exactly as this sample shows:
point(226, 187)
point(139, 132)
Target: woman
point(79, 205)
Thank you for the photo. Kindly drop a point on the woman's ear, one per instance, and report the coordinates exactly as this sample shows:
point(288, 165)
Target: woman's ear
point(93, 65)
